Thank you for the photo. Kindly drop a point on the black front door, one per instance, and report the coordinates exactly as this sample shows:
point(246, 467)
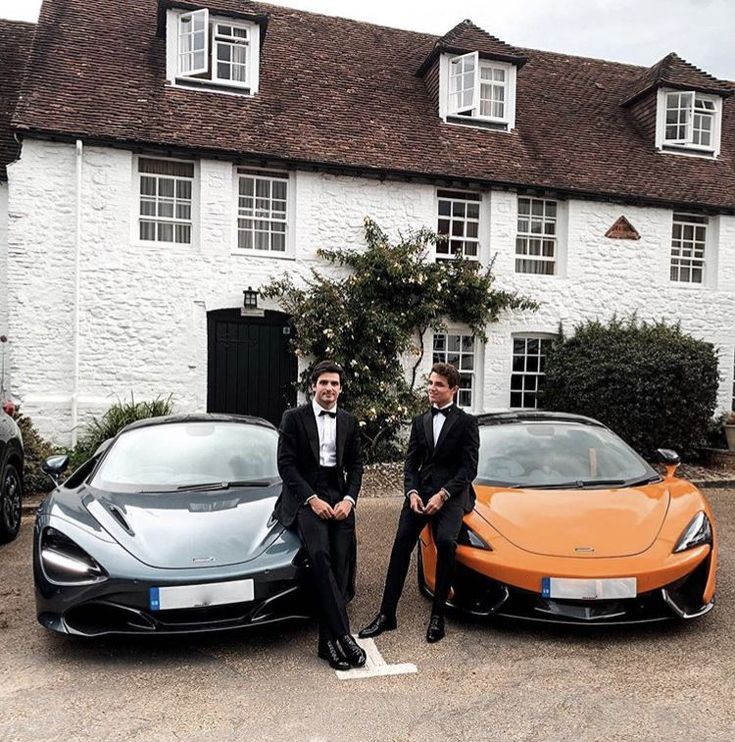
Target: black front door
point(251, 369)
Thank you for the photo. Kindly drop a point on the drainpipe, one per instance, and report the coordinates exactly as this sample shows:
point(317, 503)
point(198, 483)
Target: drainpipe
point(77, 287)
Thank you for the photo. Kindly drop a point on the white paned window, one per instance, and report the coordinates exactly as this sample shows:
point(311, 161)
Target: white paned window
point(527, 377)
point(536, 240)
point(193, 48)
point(688, 245)
point(459, 350)
point(480, 89)
point(212, 51)
point(262, 207)
point(458, 224)
point(230, 53)
point(689, 121)
point(165, 213)
point(462, 84)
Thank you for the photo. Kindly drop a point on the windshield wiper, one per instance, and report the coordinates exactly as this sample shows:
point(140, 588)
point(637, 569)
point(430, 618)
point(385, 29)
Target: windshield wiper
point(579, 484)
point(223, 485)
point(645, 480)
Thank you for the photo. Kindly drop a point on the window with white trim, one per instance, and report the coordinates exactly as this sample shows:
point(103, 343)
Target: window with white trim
point(689, 120)
point(458, 224)
point(262, 211)
point(688, 248)
point(536, 239)
point(165, 190)
point(459, 350)
point(214, 50)
point(479, 89)
point(529, 370)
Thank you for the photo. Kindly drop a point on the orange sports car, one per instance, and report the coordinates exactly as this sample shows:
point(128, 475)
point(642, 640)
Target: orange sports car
point(572, 526)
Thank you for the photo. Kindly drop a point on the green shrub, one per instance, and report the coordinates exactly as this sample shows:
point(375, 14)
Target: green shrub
point(115, 419)
point(654, 385)
point(37, 450)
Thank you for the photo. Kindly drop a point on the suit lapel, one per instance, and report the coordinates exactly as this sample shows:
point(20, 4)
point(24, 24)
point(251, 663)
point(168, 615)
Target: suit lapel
point(448, 422)
point(341, 434)
point(429, 431)
point(311, 430)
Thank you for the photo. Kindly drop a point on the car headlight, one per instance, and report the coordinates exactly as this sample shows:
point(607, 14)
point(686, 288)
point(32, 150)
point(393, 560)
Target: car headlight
point(467, 537)
point(698, 532)
point(65, 562)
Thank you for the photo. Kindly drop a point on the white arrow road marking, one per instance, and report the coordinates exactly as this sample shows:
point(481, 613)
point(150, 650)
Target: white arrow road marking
point(375, 666)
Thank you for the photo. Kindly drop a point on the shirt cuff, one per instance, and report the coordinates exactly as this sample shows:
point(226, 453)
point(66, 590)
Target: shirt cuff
point(445, 494)
point(411, 492)
point(309, 499)
point(349, 499)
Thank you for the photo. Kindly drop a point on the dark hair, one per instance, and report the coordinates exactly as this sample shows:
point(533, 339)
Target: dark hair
point(326, 367)
point(448, 371)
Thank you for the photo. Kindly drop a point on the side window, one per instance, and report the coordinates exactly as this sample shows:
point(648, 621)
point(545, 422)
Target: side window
point(688, 248)
point(536, 238)
point(458, 222)
point(165, 198)
point(529, 370)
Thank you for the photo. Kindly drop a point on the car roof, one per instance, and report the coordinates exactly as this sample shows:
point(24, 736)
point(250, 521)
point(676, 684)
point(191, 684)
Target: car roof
point(515, 416)
point(198, 417)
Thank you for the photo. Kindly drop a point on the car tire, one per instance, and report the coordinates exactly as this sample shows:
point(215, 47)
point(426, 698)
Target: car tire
point(11, 496)
point(423, 588)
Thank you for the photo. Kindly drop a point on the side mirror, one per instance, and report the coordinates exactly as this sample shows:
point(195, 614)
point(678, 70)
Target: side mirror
point(670, 459)
point(55, 466)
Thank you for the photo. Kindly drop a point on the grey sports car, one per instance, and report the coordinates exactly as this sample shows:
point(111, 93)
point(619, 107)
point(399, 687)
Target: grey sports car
point(168, 529)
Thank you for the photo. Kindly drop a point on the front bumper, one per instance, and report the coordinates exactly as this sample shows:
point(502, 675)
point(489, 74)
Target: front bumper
point(478, 595)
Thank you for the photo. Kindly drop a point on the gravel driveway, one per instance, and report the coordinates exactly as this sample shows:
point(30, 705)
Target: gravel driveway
point(484, 681)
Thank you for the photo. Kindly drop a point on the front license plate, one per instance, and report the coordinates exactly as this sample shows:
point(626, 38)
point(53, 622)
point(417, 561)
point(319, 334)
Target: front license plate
point(574, 589)
point(198, 596)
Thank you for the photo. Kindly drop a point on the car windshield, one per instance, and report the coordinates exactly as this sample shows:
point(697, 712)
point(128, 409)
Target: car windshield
point(557, 454)
point(183, 455)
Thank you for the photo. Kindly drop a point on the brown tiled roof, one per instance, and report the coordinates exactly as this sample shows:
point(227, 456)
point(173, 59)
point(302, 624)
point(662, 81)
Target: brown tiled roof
point(15, 45)
point(674, 72)
point(342, 95)
point(466, 37)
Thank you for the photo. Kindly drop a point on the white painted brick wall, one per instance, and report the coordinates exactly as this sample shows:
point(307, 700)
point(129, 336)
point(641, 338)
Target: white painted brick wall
point(3, 258)
point(143, 307)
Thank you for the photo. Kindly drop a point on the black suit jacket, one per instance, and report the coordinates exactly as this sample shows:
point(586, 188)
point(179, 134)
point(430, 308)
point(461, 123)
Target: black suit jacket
point(451, 464)
point(298, 459)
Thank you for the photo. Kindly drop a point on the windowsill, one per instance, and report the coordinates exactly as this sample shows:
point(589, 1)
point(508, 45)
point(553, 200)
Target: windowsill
point(478, 123)
point(211, 86)
point(688, 286)
point(674, 149)
point(168, 245)
point(241, 253)
point(546, 276)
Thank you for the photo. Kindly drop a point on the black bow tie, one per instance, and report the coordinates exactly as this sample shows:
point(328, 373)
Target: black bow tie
point(327, 412)
point(445, 411)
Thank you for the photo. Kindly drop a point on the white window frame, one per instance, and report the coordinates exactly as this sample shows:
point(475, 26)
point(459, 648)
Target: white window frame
point(469, 67)
point(192, 202)
point(536, 375)
point(446, 356)
point(245, 171)
point(546, 220)
point(698, 258)
point(686, 144)
point(189, 27)
point(192, 78)
point(463, 200)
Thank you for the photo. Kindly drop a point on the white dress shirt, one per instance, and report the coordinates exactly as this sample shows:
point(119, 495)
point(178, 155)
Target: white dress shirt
point(326, 426)
point(438, 422)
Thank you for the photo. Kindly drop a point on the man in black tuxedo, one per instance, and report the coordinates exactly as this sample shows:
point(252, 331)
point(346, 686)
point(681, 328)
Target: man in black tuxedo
point(320, 463)
point(441, 463)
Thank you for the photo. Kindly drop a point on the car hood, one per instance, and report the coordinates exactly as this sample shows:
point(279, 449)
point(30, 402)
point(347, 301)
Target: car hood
point(584, 523)
point(186, 530)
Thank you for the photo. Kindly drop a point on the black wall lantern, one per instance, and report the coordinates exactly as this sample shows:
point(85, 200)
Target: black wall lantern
point(250, 298)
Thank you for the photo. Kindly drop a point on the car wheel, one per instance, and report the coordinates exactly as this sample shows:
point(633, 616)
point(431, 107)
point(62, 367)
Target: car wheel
point(423, 588)
point(11, 492)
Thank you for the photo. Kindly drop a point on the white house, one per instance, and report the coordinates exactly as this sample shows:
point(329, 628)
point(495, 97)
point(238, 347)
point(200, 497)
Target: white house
point(175, 154)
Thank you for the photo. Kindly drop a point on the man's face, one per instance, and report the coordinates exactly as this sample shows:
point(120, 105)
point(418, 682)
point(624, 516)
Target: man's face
point(326, 390)
point(440, 393)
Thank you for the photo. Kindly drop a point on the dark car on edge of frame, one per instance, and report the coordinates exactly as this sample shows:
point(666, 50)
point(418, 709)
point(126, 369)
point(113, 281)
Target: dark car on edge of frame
point(11, 477)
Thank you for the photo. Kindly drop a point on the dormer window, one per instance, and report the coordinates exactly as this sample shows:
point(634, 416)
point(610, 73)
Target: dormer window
point(205, 51)
point(689, 121)
point(478, 91)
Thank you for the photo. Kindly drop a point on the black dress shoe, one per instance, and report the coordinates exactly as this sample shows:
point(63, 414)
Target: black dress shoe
point(435, 632)
point(353, 652)
point(378, 625)
point(330, 652)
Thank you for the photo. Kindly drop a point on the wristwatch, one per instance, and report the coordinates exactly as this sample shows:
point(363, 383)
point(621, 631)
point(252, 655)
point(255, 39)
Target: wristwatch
point(445, 495)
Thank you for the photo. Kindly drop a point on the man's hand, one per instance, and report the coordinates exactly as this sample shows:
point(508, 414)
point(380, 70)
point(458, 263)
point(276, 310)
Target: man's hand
point(415, 502)
point(435, 504)
point(342, 509)
point(321, 508)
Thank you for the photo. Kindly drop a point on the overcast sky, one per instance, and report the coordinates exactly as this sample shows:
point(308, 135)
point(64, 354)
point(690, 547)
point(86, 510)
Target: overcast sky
point(636, 31)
